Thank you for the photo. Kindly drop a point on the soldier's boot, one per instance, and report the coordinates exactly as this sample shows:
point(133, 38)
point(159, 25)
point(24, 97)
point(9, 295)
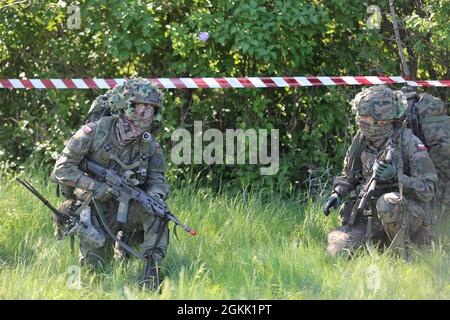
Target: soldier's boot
point(120, 253)
point(152, 275)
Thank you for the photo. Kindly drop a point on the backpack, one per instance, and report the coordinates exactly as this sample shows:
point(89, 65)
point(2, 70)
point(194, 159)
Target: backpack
point(100, 107)
point(427, 117)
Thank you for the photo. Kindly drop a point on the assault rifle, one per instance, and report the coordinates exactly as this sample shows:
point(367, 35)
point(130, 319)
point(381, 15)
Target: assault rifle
point(126, 190)
point(369, 188)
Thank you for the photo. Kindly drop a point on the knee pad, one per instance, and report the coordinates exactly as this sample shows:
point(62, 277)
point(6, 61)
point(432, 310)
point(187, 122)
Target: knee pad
point(388, 208)
point(390, 212)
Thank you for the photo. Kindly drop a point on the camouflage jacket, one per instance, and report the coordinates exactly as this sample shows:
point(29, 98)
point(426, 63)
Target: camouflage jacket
point(97, 141)
point(419, 173)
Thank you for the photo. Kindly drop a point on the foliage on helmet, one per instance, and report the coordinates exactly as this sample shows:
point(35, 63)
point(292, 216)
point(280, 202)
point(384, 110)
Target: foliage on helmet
point(136, 90)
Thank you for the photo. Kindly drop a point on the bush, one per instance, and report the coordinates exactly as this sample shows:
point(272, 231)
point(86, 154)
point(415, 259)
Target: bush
point(246, 38)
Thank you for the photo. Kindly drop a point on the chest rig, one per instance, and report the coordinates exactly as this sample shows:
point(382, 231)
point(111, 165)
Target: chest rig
point(131, 161)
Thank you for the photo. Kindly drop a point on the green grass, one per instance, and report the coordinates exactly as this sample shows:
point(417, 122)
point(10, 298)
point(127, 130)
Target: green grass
point(249, 246)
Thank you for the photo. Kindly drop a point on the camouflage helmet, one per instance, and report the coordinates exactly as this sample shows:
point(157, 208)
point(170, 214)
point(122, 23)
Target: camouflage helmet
point(379, 102)
point(137, 90)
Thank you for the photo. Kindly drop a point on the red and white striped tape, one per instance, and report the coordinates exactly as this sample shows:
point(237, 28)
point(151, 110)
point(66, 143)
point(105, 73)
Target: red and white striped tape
point(195, 83)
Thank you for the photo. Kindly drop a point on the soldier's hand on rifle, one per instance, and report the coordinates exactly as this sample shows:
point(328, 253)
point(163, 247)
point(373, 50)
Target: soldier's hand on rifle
point(333, 201)
point(384, 171)
point(104, 193)
point(159, 196)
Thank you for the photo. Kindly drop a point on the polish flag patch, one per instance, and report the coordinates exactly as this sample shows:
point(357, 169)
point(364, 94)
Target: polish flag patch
point(421, 147)
point(87, 129)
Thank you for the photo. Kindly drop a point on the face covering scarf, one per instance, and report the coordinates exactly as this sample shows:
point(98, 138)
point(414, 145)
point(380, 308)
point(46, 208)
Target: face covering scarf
point(133, 123)
point(375, 132)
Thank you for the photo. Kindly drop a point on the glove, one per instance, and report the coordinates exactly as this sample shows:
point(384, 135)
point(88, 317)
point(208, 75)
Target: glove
point(334, 201)
point(102, 192)
point(158, 196)
point(384, 171)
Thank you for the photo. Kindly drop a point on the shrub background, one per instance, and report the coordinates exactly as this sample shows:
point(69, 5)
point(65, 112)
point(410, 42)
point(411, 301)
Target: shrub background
point(246, 38)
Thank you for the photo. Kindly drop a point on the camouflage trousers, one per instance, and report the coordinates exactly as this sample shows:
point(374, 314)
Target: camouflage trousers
point(384, 226)
point(147, 231)
point(142, 228)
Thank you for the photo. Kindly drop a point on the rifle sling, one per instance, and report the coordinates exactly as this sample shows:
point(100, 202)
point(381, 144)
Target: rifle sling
point(83, 205)
point(72, 244)
point(162, 227)
point(111, 234)
point(403, 232)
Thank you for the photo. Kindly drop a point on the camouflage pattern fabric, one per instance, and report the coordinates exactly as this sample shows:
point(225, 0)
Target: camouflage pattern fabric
point(436, 130)
point(376, 107)
point(142, 229)
point(134, 123)
point(143, 158)
point(135, 90)
point(345, 239)
point(117, 101)
point(419, 179)
point(379, 102)
point(79, 147)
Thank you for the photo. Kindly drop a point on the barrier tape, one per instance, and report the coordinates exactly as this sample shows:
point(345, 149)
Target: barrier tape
point(195, 83)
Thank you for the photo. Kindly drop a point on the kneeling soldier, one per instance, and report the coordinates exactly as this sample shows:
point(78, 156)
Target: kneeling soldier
point(121, 142)
point(390, 165)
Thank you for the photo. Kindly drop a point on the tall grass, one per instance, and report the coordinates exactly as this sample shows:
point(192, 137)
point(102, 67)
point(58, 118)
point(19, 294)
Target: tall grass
point(250, 245)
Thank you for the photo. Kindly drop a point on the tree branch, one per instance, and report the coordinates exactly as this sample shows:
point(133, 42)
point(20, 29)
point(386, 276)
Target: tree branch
point(405, 67)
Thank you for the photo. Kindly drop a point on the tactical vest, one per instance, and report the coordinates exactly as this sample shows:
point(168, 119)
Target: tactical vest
point(133, 159)
point(105, 151)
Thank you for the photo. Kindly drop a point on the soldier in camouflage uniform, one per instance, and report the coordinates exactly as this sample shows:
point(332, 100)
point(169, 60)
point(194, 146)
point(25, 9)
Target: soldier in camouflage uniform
point(411, 171)
point(120, 142)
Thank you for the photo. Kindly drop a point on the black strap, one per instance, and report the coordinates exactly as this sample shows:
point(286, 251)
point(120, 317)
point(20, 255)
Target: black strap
point(58, 193)
point(416, 123)
point(112, 235)
point(72, 244)
point(161, 230)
